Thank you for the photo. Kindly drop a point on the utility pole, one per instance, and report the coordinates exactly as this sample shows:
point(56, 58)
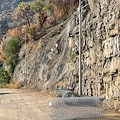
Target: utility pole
point(80, 75)
point(25, 81)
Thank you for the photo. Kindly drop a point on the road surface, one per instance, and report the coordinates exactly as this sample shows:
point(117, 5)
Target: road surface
point(24, 105)
point(30, 105)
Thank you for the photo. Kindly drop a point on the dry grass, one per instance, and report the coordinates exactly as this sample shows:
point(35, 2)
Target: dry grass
point(15, 85)
point(20, 84)
point(62, 82)
point(11, 86)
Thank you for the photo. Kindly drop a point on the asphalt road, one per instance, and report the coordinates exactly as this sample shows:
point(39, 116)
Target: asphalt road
point(30, 105)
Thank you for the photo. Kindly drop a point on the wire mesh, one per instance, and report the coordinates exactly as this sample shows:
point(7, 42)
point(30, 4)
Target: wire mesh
point(75, 108)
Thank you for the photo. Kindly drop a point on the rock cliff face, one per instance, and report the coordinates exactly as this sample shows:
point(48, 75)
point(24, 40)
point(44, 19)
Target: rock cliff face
point(47, 70)
point(100, 49)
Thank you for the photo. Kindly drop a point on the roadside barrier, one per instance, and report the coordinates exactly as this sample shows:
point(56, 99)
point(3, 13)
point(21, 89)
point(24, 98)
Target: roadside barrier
point(75, 108)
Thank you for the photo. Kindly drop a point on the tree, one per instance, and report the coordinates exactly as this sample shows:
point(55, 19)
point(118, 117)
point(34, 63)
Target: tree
point(42, 9)
point(10, 51)
point(4, 77)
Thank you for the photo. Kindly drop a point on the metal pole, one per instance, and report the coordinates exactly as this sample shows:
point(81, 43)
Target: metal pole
point(80, 77)
point(25, 82)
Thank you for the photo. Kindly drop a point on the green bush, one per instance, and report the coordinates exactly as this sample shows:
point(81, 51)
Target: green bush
point(63, 80)
point(73, 56)
point(10, 50)
point(112, 97)
point(21, 5)
point(94, 16)
point(4, 77)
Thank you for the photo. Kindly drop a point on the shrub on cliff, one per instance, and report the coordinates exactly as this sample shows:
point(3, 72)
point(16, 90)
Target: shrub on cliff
point(2, 59)
point(32, 32)
point(23, 12)
point(42, 9)
point(13, 33)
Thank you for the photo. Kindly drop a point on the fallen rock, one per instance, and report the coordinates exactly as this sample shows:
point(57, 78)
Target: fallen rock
point(66, 93)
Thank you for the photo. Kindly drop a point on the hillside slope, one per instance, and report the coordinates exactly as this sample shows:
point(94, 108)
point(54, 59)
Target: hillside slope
point(47, 70)
point(7, 8)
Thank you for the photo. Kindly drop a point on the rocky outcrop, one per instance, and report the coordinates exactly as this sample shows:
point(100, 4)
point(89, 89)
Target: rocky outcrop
point(9, 4)
point(47, 70)
point(7, 8)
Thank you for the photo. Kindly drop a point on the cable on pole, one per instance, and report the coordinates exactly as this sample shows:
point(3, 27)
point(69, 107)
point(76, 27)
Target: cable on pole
point(25, 81)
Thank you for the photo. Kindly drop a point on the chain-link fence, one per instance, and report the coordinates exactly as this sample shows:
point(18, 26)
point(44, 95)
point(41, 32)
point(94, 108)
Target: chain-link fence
point(75, 108)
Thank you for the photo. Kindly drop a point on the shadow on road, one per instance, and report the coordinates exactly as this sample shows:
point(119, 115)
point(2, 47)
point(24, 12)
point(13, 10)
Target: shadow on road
point(103, 118)
point(4, 93)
